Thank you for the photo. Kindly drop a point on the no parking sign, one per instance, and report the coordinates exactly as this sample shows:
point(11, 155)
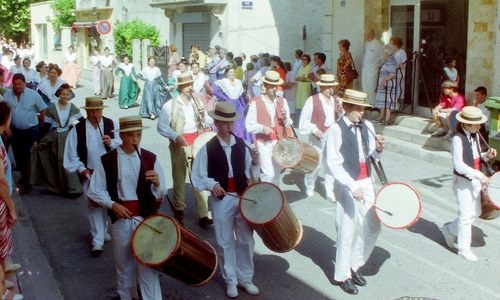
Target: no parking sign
point(103, 27)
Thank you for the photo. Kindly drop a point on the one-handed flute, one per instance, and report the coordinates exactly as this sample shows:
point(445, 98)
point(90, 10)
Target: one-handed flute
point(377, 165)
point(100, 132)
point(486, 165)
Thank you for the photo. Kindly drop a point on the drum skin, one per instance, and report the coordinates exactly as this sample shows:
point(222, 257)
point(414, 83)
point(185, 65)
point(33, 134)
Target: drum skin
point(175, 251)
point(402, 201)
point(201, 140)
point(271, 217)
point(290, 152)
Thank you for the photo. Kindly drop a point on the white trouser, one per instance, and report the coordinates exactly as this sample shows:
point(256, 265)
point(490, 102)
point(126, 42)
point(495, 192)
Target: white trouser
point(354, 248)
point(235, 240)
point(271, 172)
point(469, 208)
point(369, 82)
point(127, 269)
point(97, 217)
point(310, 178)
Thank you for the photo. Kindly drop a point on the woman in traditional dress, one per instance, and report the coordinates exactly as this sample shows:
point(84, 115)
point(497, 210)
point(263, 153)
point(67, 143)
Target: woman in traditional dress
point(107, 79)
point(129, 90)
point(303, 82)
point(48, 88)
point(201, 82)
point(48, 154)
point(43, 73)
point(96, 71)
point(173, 60)
point(155, 92)
point(71, 70)
point(230, 89)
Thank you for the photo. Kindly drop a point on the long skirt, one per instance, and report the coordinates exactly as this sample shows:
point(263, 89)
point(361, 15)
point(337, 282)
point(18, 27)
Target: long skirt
point(129, 90)
point(71, 74)
point(107, 79)
point(96, 80)
point(154, 96)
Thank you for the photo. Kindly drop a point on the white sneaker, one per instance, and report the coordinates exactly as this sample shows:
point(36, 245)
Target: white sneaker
point(11, 267)
point(468, 255)
point(107, 237)
point(250, 288)
point(232, 290)
point(449, 238)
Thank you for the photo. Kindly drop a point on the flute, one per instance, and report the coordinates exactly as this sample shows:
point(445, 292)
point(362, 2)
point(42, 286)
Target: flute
point(486, 165)
point(197, 107)
point(100, 132)
point(377, 165)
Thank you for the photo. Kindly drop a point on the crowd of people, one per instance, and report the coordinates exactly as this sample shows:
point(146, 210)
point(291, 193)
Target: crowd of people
point(247, 107)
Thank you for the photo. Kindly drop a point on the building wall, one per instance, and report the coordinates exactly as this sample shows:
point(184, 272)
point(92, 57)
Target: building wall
point(495, 86)
point(40, 14)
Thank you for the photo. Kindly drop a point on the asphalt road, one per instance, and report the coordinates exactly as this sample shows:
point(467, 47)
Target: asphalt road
point(405, 263)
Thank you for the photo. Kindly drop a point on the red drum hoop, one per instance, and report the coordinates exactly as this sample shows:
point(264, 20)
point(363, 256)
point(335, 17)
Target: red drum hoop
point(402, 201)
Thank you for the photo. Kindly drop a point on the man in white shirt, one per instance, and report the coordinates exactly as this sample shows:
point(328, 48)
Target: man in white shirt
point(349, 146)
point(182, 120)
point(371, 64)
point(269, 119)
point(86, 143)
point(318, 114)
point(225, 167)
point(129, 182)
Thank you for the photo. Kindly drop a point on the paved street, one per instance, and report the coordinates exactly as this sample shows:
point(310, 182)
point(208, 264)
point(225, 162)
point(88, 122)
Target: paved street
point(405, 263)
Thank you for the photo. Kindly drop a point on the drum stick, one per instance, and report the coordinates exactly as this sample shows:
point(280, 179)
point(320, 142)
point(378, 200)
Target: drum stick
point(242, 198)
point(383, 210)
point(152, 227)
point(486, 165)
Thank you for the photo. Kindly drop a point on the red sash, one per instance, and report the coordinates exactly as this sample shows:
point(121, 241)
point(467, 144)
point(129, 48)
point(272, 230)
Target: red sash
point(231, 185)
point(132, 206)
point(363, 171)
point(477, 164)
point(190, 137)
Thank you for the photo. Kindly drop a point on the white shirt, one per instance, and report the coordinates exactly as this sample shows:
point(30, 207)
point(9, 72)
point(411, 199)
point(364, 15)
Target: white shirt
point(151, 73)
point(323, 66)
point(400, 56)
point(305, 125)
point(63, 114)
point(373, 54)
point(70, 58)
point(50, 90)
point(127, 69)
point(334, 158)
point(95, 60)
point(486, 112)
point(451, 73)
point(107, 61)
point(251, 120)
point(199, 175)
point(15, 69)
point(457, 156)
point(95, 148)
point(128, 175)
point(165, 118)
point(296, 67)
point(30, 75)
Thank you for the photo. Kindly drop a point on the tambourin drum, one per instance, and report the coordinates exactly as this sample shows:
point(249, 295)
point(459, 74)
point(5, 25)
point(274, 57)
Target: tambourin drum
point(271, 217)
point(201, 140)
point(290, 152)
point(174, 250)
point(490, 201)
point(398, 206)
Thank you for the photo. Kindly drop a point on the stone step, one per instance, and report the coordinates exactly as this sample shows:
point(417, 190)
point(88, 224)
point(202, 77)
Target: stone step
point(417, 151)
point(415, 122)
point(417, 137)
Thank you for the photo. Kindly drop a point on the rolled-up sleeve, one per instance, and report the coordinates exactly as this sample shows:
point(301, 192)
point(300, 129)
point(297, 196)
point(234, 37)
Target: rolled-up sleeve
point(164, 121)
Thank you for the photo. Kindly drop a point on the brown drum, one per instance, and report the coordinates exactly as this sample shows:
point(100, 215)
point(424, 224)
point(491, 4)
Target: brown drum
point(271, 217)
point(201, 140)
point(174, 250)
point(490, 200)
point(290, 152)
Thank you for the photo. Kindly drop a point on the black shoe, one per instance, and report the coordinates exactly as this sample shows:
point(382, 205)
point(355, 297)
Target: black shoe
point(347, 286)
point(205, 222)
point(357, 278)
point(96, 253)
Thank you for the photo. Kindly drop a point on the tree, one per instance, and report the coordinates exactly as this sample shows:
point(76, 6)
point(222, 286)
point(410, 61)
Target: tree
point(63, 10)
point(125, 32)
point(15, 18)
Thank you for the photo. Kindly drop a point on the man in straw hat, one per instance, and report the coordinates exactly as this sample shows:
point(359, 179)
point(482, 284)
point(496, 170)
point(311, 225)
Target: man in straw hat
point(182, 120)
point(468, 180)
point(224, 166)
point(349, 145)
point(86, 143)
point(269, 119)
point(128, 183)
point(318, 114)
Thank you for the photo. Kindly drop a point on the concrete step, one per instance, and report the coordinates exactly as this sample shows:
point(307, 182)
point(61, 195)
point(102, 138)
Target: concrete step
point(418, 137)
point(417, 151)
point(414, 122)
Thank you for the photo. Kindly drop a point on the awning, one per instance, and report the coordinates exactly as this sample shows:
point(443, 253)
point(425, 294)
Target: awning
point(84, 24)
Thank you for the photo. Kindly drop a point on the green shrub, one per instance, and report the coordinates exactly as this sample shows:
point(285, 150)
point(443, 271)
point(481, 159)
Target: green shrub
point(125, 32)
point(63, 11)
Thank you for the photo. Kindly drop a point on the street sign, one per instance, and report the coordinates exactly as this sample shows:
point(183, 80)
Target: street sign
point(246, 4)
point(103, 27)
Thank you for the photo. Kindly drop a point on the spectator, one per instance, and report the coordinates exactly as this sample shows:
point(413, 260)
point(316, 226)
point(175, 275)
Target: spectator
point(212, 63)
point(297, 64)
point(202, 58)
point(386, 99)
point(450, 71)
point(401, 58)
point(371, 64)
point(480, 95)
point(257, 79)
point(290, 89)
point(345, 66)
point(249, 73)
point(319, 59)
point(303, 83)
point(238, 62)
point(450, 104)
point(278, 66)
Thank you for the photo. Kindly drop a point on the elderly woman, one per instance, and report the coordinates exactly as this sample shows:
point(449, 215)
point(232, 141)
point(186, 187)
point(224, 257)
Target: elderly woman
point(303, 82)
point(345, 66)
point(386, 99)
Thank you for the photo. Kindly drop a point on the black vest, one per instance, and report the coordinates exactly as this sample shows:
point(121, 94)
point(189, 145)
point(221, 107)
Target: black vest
point(81, 137)
point(349, 149)
point(467, 154)
point(218, 169)
point(147, 201)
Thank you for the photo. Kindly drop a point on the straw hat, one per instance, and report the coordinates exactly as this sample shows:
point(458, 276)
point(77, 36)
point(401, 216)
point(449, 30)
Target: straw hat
point(327, 80)
point(184, 78)
point(471, 115)
point(273, 77)
point(356, 98)
point(224, 111)
point(130, 123)
point(94, 103)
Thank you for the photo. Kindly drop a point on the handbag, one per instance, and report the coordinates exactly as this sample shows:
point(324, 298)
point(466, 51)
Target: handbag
point(351, 72)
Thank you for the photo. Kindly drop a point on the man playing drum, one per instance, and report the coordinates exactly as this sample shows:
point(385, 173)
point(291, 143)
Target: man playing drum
point(319, 113)
point(128, 182)
point(269, 119)
point(86, 142)
point(181, 120)
point(467, 180)
point(224, 166)
point(348, 148)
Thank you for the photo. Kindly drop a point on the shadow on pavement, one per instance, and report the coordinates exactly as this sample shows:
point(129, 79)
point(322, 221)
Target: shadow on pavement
point(435, 182)
point(376, 260)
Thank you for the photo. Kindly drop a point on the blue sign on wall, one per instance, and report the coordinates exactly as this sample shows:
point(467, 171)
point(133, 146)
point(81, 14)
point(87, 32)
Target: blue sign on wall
point(246, 4)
